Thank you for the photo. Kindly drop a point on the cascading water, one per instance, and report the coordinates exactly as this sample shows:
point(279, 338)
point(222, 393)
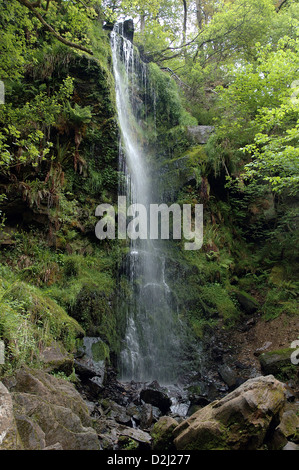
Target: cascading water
point(150, 343)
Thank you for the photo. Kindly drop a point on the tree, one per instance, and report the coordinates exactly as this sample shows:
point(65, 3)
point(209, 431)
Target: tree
point(36, 7)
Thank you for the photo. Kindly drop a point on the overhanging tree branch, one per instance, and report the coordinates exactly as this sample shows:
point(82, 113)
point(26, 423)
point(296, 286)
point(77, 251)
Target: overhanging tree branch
point(32, 8)
point(280, 4)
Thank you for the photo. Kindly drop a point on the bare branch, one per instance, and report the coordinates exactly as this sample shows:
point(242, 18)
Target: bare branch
point(281, 3)
point(173, 74)
point(49, 28)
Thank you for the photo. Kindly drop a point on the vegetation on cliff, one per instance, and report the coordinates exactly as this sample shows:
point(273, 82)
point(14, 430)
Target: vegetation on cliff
point(232, 65)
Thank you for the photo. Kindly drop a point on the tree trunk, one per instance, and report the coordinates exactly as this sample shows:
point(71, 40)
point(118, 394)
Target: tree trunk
point(199, 13)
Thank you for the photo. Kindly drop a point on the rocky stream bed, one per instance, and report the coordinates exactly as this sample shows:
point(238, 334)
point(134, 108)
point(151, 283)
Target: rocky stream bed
point(40, 410)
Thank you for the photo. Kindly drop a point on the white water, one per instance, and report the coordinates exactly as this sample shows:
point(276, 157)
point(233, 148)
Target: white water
point(150, 343)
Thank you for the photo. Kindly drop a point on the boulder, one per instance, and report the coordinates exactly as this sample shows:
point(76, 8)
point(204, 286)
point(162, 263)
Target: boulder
point(162, 434)
point(239, 421)
point(142, 438)
point(227, 375)
point(9, 439)
point(289, 426)
point(118, 413)
point(278, 362)
point(32, 435)
point(56, 358)
point(247, 303)
point(156, 398)
point(291, 446)
point(48, 411)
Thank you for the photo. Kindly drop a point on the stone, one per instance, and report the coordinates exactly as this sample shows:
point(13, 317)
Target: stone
point(162, 434)
point(143, 438)
point(56, 446)
point(118, 413)
point(32, 435)
point(278, 361)
point(9, 439)
point(146, 416)
point(200, 134)
point(49, 410)
point(156, 398)
point(291, 446)
point(247, 303)
point(239, 421)
point(50, 389)
point(56, 358)
point(289, 425)
point(227, 375)
point(128, 29)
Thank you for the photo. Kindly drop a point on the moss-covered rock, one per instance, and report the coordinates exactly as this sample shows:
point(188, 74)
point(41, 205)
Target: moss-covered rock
point(49, 410)
point(162, 433)
point(94, 311)
point(239, 421)
point(279, 363)
point(247, 303)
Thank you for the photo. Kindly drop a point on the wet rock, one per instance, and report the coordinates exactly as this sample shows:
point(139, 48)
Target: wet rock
point(117, 413)
point(146, 416)
point(238, 421)
point(143, 438)
point(94, 387)
point(228, 375)
point(162, 434)
point(156, 398)
point(128, 29)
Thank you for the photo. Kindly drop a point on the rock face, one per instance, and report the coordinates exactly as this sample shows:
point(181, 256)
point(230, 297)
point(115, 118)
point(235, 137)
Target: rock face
point(47, 412)
point(240, 421)
point(200, 134)
point(8, 428)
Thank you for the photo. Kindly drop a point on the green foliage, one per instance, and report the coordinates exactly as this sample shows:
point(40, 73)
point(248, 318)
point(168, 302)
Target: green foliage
point(29, 321)
point(24, 128)
point(169, 109)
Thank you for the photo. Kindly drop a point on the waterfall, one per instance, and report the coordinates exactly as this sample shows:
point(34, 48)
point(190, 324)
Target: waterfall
point(150, 340)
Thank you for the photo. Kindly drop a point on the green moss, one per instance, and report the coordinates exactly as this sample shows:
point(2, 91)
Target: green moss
point(278, 301)
point(100, 351)
point(218, 298)
point(30, 320)
point(126, 443)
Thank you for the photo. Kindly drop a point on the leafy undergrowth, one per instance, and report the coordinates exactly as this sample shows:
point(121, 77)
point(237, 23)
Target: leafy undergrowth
point(29, 321)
